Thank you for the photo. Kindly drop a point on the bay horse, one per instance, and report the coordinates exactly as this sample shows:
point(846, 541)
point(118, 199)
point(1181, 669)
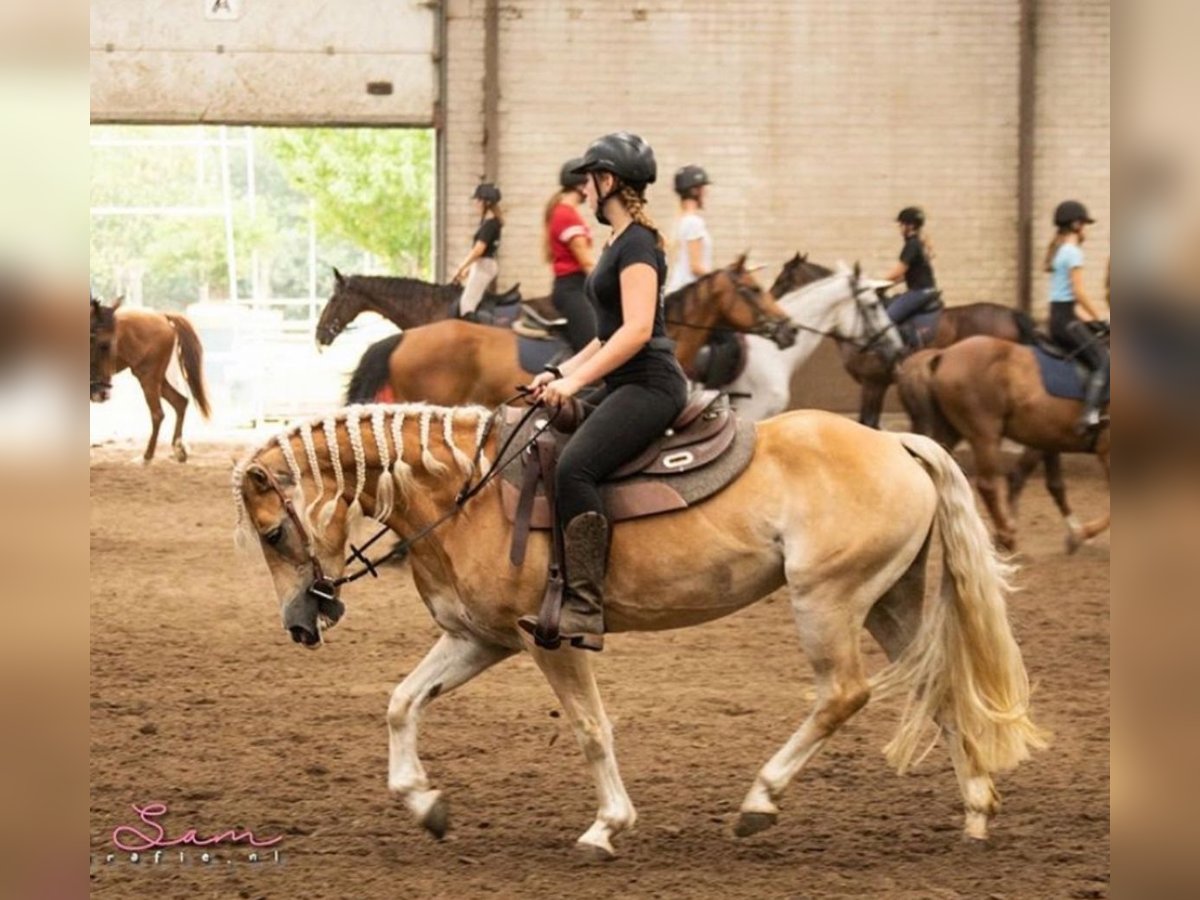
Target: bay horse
point(455, 362)
point(840, 515)
point(407, 302)
point(146, 341)
point(955, 323)
point(984, 389)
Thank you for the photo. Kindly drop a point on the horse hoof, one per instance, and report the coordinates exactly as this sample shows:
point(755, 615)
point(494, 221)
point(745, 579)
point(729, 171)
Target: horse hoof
point(437, 820)
point(593, 853)
point(180, 453)
point(1073, 542)
point(749, 823)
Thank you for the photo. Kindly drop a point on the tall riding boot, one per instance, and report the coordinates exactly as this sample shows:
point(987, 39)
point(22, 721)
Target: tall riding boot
point(585, 551)
point(1092, 395)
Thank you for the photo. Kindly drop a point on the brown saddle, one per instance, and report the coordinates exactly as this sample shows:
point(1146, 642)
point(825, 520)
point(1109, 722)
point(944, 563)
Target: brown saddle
point(705, 449)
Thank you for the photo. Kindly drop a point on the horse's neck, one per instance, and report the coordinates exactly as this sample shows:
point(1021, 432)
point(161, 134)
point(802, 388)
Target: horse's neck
point(413, 303)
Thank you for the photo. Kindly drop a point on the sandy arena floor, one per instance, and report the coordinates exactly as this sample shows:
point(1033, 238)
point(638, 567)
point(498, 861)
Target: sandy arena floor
point(202, 702)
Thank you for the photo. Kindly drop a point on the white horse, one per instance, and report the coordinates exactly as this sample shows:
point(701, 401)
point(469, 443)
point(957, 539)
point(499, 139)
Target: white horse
point(843, 306)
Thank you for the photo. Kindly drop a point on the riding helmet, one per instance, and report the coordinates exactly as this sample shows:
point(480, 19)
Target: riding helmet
point(623, 154)
point(1069, 212)
point(568, 178)
point(912, 215)
point(690, 177)
point(487, 192)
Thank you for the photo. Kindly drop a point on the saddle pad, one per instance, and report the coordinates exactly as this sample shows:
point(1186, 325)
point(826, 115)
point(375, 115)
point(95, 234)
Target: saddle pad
point(640, 495)
point(1064, 377)
point(919, 331)
point(533, 354)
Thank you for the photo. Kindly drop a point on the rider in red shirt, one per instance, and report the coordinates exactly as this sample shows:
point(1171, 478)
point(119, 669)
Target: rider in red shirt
point(568, 249)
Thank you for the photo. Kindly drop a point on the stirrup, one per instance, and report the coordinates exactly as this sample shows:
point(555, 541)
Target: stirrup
point(529, 624)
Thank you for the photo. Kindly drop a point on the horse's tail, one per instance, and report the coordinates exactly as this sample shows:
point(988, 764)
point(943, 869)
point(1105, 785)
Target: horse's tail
point(191, 358)
point(1026, 329)
point(914, 383)
point(964, 668)
point(373, 371)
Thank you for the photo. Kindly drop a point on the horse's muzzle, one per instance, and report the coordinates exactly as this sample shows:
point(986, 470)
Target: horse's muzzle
point(783, 333)
point(306, 616)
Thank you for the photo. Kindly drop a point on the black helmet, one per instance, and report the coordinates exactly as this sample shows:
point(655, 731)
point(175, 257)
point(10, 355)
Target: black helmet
point(568, 178)
point(912, 215)
point(690, 177)
point(1069, 212)
point(623, 154)
point(487, 192)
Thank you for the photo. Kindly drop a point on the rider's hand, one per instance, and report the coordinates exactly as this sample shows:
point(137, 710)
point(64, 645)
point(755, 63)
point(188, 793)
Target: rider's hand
point(559, 390)
point(538, 383)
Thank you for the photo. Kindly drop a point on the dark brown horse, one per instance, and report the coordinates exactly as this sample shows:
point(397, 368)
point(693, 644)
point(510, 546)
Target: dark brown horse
point(984, 389)
point(872, 371)
point(145, 341)
point(456, 362)
point(407, 302)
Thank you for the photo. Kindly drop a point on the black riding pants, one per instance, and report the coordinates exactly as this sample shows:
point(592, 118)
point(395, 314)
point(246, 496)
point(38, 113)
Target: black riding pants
point(571, 301)
point(1071, 332)
point(627, 419)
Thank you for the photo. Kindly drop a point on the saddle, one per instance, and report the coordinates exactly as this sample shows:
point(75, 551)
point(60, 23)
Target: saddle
point(540, 320)
point(705, 449)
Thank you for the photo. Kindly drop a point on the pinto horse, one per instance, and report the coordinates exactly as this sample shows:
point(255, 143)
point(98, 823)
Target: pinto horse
point(985, 389)
point(456, 362)
point(407, 302)
point(145, 342)
point(839, 515)
point(955, 323)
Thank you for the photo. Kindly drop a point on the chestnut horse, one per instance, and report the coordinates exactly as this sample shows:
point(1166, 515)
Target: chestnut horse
point(840, 515)
point(407, 302)
point(146, 341)
point(456, 362)
point(955, 323)
point(985, 389)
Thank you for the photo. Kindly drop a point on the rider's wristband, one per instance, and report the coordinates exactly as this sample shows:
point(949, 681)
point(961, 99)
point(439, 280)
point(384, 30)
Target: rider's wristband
point(554, 370)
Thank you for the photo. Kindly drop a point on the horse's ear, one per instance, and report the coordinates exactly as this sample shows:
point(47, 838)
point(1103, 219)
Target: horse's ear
point(802, 258)
point(259, 479)
point(117, 303)
point(797, 259)
point(739, 264)
point(515, 290)
point(857, 270)
point(338, 276)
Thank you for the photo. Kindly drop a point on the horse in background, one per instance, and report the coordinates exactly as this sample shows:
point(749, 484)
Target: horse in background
point(407, 302)
point(985, 389)
point(145, 342)
point(456, 362)
point(954, 323)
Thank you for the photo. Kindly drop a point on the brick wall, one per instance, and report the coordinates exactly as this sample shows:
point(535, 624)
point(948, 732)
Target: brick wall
point(816, 121)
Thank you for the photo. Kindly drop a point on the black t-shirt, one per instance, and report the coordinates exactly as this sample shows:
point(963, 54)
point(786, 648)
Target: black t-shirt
point(919, 273)
point(489, 233)
point(636, 244)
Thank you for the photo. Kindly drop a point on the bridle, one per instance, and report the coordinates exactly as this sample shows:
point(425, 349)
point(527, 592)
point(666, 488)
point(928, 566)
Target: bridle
point(324, 588)
point(764, 325)
point(862, 346)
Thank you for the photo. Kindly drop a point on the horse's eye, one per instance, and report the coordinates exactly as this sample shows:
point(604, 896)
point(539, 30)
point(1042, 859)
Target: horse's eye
point(274, 536)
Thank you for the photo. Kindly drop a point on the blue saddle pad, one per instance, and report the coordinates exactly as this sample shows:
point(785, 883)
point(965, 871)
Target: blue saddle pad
point(1064, 378)
point(533, 354)
point(918, 331)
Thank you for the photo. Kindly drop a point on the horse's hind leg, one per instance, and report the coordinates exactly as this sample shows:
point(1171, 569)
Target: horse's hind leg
point(986, 450)
point(829, 633)
point(871, 408)
point(1019, 474)
point(451, 662)
point(1084, 533)
point(570, 675)
point(893, 621)
point(179, 403)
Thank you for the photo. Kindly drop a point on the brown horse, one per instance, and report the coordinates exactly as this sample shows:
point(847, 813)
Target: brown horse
point(407, 302)
point(456, 362)
point(145, 341)
point(872, 371)
point(839, 515)
point(984, 389)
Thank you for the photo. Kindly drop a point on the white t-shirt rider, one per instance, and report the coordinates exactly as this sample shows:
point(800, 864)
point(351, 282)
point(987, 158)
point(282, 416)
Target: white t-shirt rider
point(690, 227)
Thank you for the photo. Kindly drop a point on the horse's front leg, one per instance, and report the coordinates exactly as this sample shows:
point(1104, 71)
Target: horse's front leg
point(153, 393)
point(452, 661)
point(871, 405)
point(570, 675)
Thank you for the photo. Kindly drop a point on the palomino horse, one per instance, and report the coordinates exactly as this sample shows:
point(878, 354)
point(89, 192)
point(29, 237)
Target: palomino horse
point(456, 362)
point(955, 323)
point(842, 306)
point(985, 389)
point(408, 302)
point(145, 341)
point(840, 515)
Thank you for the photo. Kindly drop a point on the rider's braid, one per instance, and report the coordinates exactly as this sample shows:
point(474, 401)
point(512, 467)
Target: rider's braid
point(635, 205)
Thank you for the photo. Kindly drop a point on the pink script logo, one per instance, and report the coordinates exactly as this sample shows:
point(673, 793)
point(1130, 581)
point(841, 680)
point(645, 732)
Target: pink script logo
point(131, 839)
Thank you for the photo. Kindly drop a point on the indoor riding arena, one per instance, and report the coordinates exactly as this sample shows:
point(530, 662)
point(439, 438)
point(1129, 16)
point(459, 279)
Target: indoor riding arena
point(255, 163)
